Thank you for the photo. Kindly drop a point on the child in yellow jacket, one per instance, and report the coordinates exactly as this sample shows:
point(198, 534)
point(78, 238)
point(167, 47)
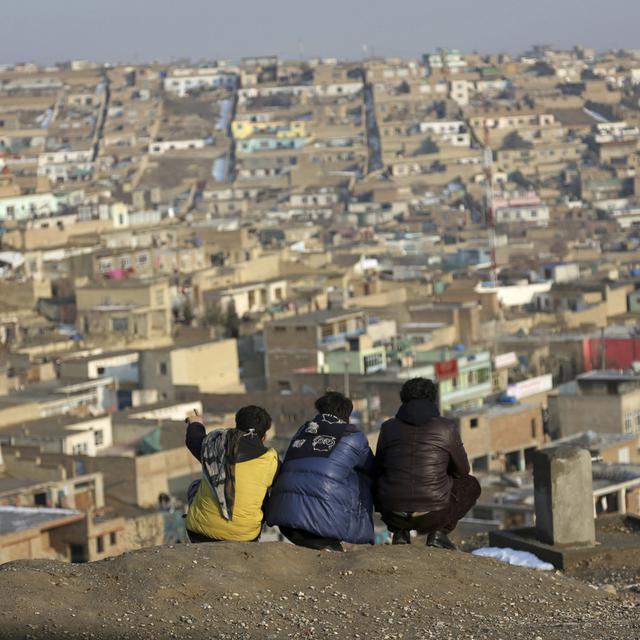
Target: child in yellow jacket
point(238, 470)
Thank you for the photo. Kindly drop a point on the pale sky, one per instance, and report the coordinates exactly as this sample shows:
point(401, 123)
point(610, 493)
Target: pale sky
point(139, 30)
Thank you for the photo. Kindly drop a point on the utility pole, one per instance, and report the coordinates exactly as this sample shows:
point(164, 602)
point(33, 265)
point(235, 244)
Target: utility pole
point(346, 378)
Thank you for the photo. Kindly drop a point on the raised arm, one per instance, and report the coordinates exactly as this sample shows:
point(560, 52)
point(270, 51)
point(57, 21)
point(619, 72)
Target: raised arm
point(195, 435)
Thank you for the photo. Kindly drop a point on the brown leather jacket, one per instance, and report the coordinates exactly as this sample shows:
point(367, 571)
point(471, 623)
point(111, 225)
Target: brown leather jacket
point(418, 455)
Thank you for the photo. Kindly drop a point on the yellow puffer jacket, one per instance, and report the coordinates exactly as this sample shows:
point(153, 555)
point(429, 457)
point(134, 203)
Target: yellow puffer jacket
point(252, 480)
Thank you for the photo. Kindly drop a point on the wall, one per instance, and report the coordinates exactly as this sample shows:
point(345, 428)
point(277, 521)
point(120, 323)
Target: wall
point(155, 471)
point(516, 429)
point(19, 413)
point(210, 366)
point(24, 294)
point(571, 414)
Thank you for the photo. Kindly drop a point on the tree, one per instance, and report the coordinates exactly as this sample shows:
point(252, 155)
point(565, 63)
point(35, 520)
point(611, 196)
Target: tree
point(427, 146)
point(542, 68)
point(514, 140)
point(232, 321)
point(187, 312)
point(214, 315)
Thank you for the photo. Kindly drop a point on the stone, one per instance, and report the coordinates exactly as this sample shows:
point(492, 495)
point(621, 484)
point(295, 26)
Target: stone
point(563, 491)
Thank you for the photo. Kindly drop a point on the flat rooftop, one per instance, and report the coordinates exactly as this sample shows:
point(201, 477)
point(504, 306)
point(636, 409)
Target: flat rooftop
point(14, 519)
point(51, 426)
point(318, 317)
point(609, 376)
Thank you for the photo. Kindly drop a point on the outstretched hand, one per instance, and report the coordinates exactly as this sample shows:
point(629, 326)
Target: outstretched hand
point(193, 417)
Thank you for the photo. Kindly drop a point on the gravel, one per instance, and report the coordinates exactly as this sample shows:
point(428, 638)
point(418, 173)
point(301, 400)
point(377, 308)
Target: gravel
point(274, 590)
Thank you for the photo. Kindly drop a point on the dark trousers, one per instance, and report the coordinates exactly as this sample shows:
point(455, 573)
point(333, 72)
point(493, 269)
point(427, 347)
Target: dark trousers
point(309, 540)
point(464, 494)
point(197, 538)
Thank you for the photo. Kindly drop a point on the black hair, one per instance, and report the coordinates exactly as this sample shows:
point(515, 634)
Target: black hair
point(335, 404)
point(419, 389)
point(252, 417)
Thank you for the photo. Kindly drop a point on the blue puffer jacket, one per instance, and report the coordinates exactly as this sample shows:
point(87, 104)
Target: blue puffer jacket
point(324, 484)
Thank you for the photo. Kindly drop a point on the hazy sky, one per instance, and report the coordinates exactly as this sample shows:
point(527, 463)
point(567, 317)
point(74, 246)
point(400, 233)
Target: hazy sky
point(119, 30)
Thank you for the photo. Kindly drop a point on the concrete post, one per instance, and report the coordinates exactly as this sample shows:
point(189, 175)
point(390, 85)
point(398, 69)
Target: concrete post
point(563, 490)
point(522, 461)
point(622, 501)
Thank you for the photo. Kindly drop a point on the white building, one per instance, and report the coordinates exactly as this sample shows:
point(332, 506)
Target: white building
point(158, 148)
point(182, 81)
point(453, 132)
point(28, 206)
point(532, 214)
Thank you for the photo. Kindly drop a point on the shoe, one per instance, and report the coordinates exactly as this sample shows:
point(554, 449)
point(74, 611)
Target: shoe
point(440, 540)
point(401, 537)
point(333, 546)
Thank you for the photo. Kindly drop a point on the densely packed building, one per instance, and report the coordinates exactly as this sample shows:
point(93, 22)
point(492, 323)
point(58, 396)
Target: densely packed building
point(257, 231)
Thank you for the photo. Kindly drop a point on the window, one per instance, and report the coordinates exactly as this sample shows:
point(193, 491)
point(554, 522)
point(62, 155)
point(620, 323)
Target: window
point(326, 330)
point(534, 428)
point(142, 259)
point(40, 499)
point(373, 362)
point(301, 328)
point(628, 423)
point(282, 329)
point(79, 449)
point(473, 423)
point(100, 544)
point(113, 538)
point(98, 437)
point(120, 324)
point(162, 368)
point(100, 371)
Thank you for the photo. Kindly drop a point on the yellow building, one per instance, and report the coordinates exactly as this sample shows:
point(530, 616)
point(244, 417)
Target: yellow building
point(243, 129)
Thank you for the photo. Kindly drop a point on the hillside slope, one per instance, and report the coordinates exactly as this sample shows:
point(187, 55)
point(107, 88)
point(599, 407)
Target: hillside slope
point(274, 590)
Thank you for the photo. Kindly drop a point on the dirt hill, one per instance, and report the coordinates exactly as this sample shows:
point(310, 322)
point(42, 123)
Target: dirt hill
point(274, 590)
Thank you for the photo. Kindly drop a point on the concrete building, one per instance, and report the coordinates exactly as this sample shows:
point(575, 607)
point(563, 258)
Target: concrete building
point(598, 401)
point(298, 342)
point(62, 434)
point(206, 367)
point(124, 310)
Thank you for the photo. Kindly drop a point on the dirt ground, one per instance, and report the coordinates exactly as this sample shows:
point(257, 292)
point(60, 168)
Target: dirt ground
point(276, 590)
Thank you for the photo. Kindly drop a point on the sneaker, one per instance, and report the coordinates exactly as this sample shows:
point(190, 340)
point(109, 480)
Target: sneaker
point(440, 540)
point(401, 537)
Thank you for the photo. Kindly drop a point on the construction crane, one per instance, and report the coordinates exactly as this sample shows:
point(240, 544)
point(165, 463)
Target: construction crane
point(487, 161)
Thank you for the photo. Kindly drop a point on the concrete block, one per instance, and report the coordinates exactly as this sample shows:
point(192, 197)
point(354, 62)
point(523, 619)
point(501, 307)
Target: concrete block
point(563, 491)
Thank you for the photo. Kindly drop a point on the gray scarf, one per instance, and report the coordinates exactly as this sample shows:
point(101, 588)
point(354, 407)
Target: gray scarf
point(219, 453)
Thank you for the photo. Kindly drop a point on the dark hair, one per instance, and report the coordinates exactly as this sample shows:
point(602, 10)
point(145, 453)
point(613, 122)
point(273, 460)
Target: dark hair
point(252, 417)
point(419, 389)
point(336, 404)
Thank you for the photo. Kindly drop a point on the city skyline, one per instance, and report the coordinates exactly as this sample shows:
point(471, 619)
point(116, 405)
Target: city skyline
point(128, 31)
